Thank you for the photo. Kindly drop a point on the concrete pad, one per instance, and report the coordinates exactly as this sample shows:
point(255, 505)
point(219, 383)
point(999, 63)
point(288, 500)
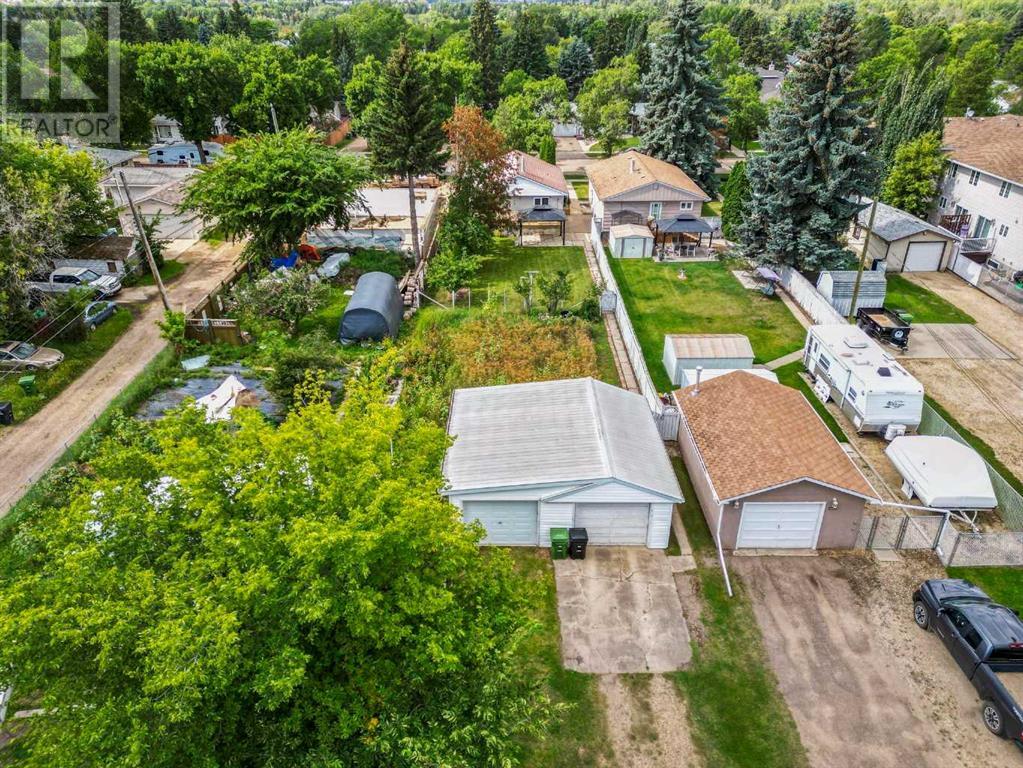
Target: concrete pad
point(960, 341)
point(620, 612)
point(774, 553)
point(886, 555)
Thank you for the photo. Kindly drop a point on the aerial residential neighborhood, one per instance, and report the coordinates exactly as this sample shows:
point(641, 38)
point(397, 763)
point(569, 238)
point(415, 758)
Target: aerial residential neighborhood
point(578, 384)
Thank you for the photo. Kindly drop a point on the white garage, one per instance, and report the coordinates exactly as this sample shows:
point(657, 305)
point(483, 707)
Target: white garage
point(780, 525)
point(630, 241)
point(575, 453)
point(924, 257)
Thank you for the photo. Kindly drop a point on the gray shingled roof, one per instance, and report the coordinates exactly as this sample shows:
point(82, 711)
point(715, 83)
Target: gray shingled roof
point(893, 224)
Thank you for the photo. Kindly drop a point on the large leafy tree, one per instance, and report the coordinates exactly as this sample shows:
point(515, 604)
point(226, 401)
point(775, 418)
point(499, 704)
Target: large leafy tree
point(683, 102)
point(526, 115)
point(747, 114)
point(806, 186)
point(481, 172)
point(972, 77)
point(575, 65)
point(273, 187)
point(912, 182)
point(483, 45)
point(250, 595)
point(605, 101)
point(274, 75)
point(723, 53)
point(403, 126)
point(908, 106)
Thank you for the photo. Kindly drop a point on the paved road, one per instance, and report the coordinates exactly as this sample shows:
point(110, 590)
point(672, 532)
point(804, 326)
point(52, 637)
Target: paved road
point(27, 450)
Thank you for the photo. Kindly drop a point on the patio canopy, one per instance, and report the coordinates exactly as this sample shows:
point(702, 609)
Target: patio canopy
point(683, 224)
point(542, 215)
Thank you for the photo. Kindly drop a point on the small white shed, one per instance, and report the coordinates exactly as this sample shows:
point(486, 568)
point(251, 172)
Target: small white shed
point(838, 286)
point(569, 453)
point(630, 241)
point(705, 350)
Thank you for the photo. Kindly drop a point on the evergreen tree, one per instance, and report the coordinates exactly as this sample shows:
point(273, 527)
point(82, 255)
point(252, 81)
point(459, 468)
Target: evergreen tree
point(909, 105)
point(575, 64)
point(549, 150)
point(735, 206)
point(1013, 34)
point(405, 136)
point(342, 53)
point(806, 186)
point(133, 27)
point(483, 48)
point(221, 26)
point(237, 20)
point(526, 48)
point(683, 103)
point(642, 53)
point(170, 27)
point(913, 181)
point(204, 33)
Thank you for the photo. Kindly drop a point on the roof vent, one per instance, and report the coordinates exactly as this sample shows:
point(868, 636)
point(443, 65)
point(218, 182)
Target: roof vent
point(883, 371)
point(854, 343)
point(632, 164)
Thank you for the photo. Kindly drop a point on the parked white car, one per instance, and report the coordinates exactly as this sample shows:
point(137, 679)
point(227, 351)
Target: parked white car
point(65, 279)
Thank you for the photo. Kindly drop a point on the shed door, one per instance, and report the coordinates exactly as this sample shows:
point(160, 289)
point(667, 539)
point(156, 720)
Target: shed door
point(507, 522)
point(787, 525)
point(924, 257)
point(613, 523)
point(632, 247)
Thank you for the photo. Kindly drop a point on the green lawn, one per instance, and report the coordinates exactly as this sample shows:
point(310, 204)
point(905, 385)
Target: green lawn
point(630, 143)
point(170, 271)
point(328, 317)
point(737, 715)
point(789, 375)
point(78, 357)
point(579, 737)
point(925, 306)
point(605, 358)
point(1003, 584)
point(713, 208)
point(709, 300)
point(582, 189)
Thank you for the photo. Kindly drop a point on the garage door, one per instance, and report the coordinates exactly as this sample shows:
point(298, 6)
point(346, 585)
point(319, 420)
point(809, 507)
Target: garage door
point(632, 247)
point(779, 526)
point(613, 523)
point(507, 522)
point(924, 257)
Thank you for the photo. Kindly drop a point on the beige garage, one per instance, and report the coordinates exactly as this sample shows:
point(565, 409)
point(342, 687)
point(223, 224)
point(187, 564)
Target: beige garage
point(905, 243)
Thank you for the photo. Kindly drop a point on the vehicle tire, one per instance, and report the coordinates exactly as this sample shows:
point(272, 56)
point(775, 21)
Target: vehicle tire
point(920, 615)
point(993, 718)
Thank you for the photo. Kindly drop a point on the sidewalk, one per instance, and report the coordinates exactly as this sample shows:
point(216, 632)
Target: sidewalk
point(626, 375)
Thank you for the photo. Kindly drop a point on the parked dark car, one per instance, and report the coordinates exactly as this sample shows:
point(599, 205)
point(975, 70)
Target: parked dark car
point(985, 639)
point(97, 312)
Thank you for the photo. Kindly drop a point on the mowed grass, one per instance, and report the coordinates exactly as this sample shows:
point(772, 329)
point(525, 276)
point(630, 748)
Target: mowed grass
point(1004, 585)
point(579, 736)
point(169, 272)
point(709, 300)
point(737, 714)
point(925, 306)
point(582, 189)
point(79, 356)
point(712, 208)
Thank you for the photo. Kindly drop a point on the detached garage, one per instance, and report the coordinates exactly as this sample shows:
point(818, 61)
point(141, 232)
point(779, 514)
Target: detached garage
point(768, 472)
point(572, 453)
point(905, 243)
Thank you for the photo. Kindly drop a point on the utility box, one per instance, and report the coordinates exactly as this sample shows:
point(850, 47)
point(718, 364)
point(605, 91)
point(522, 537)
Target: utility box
point(577, 539)
point(559, 543)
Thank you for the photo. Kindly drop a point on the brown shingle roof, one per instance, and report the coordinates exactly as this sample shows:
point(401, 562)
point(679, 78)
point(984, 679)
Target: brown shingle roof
point(540, 171)
point(754, 434)
point(992, 144)
point(633, 169)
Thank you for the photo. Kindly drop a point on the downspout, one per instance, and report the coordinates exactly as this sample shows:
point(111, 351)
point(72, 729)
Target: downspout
point(721, 553)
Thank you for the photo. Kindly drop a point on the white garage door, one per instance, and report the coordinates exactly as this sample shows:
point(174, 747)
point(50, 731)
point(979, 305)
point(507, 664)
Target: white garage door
point(632, 247)
point(924, 257)
point(780, 526)
point(613, 523)
point(507, 522)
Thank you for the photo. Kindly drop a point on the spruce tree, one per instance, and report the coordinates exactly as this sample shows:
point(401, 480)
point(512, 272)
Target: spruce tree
point(683, 102)
point(405, 136)
point(483, 40)
point(575, 64)
point(806, 187)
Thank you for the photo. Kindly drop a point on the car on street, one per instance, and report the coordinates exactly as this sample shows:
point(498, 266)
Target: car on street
point(65, 279)
point(986, 641)
point(96, 312)
point(22, 356)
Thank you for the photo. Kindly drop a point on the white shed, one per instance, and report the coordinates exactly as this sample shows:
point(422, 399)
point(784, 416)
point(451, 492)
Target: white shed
point(838, 286)
point(569, 453)
point(631, 241)
point(705, 350)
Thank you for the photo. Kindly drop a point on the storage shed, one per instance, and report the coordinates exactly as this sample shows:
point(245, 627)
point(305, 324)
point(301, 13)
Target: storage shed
point(374, 311)
point(768, 472)
point(630, 241)
point(569, 453)
point(705, 350)
point(837, 287)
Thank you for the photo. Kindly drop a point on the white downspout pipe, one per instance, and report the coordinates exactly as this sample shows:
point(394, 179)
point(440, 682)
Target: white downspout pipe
point(721, 553)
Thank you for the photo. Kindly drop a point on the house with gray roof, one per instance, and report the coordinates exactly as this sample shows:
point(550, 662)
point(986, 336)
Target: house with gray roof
point(905, 243)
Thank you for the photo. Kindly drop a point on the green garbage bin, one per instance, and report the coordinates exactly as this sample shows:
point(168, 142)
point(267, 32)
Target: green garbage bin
point(559, 543)
point(27, 384)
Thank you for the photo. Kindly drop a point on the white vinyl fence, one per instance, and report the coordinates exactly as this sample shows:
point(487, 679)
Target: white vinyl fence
point(810, 299)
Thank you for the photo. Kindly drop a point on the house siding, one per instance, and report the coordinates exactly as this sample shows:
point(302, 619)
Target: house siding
point(520, 203)
point(554, 515)
point(896, 257)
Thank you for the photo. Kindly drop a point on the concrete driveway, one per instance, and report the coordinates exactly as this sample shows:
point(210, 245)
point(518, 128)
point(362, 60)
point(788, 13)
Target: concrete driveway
point(620, 612)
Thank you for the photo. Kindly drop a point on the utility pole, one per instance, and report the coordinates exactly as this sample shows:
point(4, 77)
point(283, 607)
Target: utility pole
point(863, 255)
point(145, 243)
point(273, 117)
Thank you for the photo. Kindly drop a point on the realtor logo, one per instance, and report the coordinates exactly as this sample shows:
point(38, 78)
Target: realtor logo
point(61, 70)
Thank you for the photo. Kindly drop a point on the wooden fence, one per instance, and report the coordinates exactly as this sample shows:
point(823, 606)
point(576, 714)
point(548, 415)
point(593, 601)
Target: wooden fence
point(207, 322)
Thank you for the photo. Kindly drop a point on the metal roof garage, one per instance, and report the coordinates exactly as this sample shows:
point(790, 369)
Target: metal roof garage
point(571, 453)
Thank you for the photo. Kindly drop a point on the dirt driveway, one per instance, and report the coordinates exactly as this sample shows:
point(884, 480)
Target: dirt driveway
point(866, 687)
point(29, 449)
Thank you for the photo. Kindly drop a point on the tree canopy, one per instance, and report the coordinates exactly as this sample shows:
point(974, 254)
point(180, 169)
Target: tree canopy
point(912, 182)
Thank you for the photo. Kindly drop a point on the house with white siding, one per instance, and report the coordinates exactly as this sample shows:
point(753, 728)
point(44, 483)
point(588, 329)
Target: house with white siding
point(981, 196)
point(157, 192)
point(574, 453)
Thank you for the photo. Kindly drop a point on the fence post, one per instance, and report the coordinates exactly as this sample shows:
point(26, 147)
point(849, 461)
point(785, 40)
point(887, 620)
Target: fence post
point(941, 531)
point(873, 532)
point(955, 548)
point(902, 532)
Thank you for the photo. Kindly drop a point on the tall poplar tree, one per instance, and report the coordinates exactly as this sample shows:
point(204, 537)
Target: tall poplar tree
point(483, 46)
point(405, 136)
point(806, 187)
point(909, 106)
point(683, 102)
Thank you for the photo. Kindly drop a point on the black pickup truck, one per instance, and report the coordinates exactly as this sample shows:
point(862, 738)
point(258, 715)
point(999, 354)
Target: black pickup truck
point(984, 638)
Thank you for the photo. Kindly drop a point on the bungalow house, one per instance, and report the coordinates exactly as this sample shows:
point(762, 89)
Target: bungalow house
point(904, 243)
point(767, 471)
point(157, 193)
point(537, 192)
point(632, 188)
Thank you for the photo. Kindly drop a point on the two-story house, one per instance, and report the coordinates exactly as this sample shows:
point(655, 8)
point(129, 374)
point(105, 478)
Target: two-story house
point(981, 196)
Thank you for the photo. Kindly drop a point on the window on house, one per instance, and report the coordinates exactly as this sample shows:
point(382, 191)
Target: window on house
point(984, 227)
point(1003, 191)
point(953, 170)
point(1003, 231)
point(974, 178)
point(541, 202)
point(655, 210)
point(960, 210)
point(943, 202)
point(686, 205)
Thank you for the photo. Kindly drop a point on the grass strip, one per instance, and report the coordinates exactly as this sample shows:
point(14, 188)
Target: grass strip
point(925, 305)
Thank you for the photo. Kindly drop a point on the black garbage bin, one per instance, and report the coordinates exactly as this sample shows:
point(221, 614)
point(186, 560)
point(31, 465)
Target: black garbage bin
point(6, 413)
point(577, 539)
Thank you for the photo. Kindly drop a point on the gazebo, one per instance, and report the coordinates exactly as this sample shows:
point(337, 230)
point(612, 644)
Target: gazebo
point(684, 228)
point(542, 215)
